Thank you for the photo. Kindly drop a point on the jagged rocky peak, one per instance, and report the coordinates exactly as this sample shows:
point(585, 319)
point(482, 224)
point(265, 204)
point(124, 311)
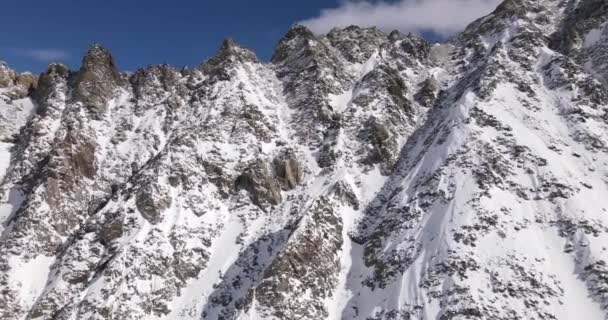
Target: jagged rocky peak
point(514, 7)
point(298, 31)
point(97, 78)
point(355, 43)
point(229, 54)
point(414, 47)
point(296, 38)
point(230, 47)
point(6, 75)
point(15, 108)
point(504, 16)
point(18, 85)
point(154, 80)
point(57, 69)
point(522, 9)
point(232, 51)
point(517, 26)
point(302, 53)
point(99, 60)
point(55, 73)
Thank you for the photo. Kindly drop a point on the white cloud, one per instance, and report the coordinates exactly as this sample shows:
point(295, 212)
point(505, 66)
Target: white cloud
point(444, 17)
point(44, 55)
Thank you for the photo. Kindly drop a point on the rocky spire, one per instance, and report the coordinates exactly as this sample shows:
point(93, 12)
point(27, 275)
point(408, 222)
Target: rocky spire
point(232, 51)
point(97, 78)
point(99, 60)
point(18, 85)
point(6, 75)
point(229, 53)
point(298, 30)
point(47, 79)
point(291, 41)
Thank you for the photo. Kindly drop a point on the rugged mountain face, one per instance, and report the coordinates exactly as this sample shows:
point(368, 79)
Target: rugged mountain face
point(358, 175)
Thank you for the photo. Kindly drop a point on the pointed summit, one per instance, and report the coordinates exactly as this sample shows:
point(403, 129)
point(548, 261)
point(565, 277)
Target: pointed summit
point(231, 51)
point(298, 30)
point(55, 73)
point(232, 48)
point(99, 59)
point(6, 75)
point(14, 84)
point(229, 54)
point(97, 78)
point(294, 38)
point(229, 44)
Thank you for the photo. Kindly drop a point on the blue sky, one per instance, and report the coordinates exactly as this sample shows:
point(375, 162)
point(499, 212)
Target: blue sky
point(180, 32)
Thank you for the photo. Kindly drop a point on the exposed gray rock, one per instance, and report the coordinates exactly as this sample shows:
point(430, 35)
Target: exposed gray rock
point(288, 170)
point(151, 201)
point(357, 44)
point(345, 193)
point(308, 267)
point(16, 85)
point(427, 95)
point(95, 82)
point(259, 180)
point(47, 80)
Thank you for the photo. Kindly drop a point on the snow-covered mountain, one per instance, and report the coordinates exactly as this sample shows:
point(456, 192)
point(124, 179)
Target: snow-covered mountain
point(358, 175)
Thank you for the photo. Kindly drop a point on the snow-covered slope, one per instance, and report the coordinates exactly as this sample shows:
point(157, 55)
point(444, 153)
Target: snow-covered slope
point(358, 175)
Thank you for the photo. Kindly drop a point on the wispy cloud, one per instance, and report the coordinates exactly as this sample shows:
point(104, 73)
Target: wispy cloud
point(43, 55)
point(444, 17)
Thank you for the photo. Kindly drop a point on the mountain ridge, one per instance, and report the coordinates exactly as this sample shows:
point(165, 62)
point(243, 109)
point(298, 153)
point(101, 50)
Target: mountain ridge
point(358, 175)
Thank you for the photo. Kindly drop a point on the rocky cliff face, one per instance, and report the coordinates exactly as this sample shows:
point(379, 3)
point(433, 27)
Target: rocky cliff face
point(358, 175)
